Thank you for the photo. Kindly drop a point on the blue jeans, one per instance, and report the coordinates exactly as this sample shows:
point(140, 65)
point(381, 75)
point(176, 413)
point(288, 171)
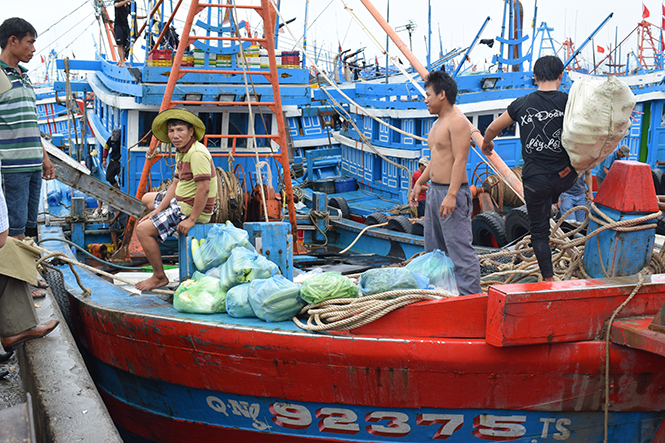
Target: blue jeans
point(22, 191)
point(569, 201)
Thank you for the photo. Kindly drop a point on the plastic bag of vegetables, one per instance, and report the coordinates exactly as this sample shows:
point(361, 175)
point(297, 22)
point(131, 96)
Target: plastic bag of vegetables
point(376, 281)
point(326, 286)
point(275, 298)
point(219, 243)
point(244, 265)
point(237, 301)
point(438, 267)
point(202, 296)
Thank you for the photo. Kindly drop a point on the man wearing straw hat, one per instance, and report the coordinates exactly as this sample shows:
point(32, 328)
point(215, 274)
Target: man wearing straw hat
point(189, 199)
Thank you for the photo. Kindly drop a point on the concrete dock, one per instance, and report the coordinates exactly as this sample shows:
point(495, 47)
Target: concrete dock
point(66, 405)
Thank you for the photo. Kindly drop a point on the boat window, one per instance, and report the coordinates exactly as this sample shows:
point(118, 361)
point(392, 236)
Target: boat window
point(484, 121)
point(145, 125)
point(508, 131)
point(397, 122)
point(238, 126)
point(662, 116)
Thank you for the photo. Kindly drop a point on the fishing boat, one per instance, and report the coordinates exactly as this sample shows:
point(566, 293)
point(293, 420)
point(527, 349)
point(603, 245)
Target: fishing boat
point(523, 362)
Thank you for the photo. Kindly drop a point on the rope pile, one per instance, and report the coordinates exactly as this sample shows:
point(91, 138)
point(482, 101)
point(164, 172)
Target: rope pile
point(343, 314)
point(229, 204)
point(567, 260)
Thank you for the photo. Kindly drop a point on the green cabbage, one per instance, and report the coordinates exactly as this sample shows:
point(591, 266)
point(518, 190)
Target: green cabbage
point(326, 286)
point(202, 296)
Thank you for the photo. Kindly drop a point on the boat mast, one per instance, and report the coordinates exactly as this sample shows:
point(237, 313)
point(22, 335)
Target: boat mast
point(387, 42)
point(429, 35)
point(304, 36)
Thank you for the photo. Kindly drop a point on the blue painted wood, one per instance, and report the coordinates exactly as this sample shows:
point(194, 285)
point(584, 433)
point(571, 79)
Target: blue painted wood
point(620, 253)
point(274, 241)
point(319, 203)
point(210, 49)
point(186, 265)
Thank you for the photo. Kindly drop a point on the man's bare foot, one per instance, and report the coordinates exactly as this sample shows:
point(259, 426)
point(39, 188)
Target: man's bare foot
point(122, 64)
point(153, 282)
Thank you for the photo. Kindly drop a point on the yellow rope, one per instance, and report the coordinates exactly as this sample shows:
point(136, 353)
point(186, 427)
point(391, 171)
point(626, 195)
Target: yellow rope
point(639, 284)
point(342, 314)
point(70, 261)
point(567, 262)
point(361, 234)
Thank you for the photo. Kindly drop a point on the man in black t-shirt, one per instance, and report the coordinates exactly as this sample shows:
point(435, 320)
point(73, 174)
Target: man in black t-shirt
point(547, 171)
point(121, 28)
point(112, 149)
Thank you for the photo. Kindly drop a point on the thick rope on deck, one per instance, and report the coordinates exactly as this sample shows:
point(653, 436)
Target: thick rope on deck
point(568, 258)
point(343, 314)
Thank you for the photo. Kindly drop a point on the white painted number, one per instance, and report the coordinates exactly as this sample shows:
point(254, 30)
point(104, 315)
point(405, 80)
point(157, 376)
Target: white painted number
point(451, 423)
point(397, 424)
point(492, 427)
point(340, 421)
point(288, 415)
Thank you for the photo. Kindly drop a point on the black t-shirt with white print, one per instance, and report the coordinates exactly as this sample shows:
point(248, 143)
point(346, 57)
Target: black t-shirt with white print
point(540, 117)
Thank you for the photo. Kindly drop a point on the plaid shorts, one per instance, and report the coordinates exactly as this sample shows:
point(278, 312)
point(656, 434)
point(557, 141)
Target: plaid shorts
point(168, 220)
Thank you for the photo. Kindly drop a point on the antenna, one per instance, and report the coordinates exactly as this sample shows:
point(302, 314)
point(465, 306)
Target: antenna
point(409, 27)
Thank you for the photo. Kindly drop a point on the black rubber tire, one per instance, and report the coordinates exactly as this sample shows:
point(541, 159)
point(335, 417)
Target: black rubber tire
point(488, 230)
point(400, 223)
point(61, 295)
point(376, 218)
point(517, 223)
point(658, 176)
point(341, 204)
point(418, 228)
point(660, 225)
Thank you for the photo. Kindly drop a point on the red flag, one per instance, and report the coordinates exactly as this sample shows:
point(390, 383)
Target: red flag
point(600, 49)
point(73, 55)
point(42, 57)
point(645, 11)
point(663, 20)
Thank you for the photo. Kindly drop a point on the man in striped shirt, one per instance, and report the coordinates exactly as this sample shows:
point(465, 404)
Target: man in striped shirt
point(24, 160)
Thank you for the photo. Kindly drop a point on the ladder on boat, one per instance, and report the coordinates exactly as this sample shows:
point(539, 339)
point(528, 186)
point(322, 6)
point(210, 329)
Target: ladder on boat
point(252, 100)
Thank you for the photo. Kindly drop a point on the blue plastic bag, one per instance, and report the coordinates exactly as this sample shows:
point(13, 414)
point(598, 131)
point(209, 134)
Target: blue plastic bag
point(218, 245)
point(275, 298)
point(243, 266)
point(438, 267)
point(376, 281)
point(237, 301)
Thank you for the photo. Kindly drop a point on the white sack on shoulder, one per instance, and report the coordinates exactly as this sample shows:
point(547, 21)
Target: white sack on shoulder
point(597, 118)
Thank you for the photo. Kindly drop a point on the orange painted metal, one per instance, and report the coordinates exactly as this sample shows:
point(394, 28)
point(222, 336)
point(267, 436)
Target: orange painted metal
point(167, 24)
point(109, 32)
point(269, 15)
point(476, 138)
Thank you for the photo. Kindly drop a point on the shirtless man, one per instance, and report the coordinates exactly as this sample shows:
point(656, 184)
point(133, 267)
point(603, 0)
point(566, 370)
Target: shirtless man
point(449, 201)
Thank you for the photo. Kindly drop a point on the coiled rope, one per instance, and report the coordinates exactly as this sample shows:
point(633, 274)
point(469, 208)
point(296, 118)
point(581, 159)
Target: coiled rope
point(567, 262)
point(343, 314)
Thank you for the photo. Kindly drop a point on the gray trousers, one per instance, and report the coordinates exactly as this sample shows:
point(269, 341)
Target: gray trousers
point(17, 310)
point(453, 235)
